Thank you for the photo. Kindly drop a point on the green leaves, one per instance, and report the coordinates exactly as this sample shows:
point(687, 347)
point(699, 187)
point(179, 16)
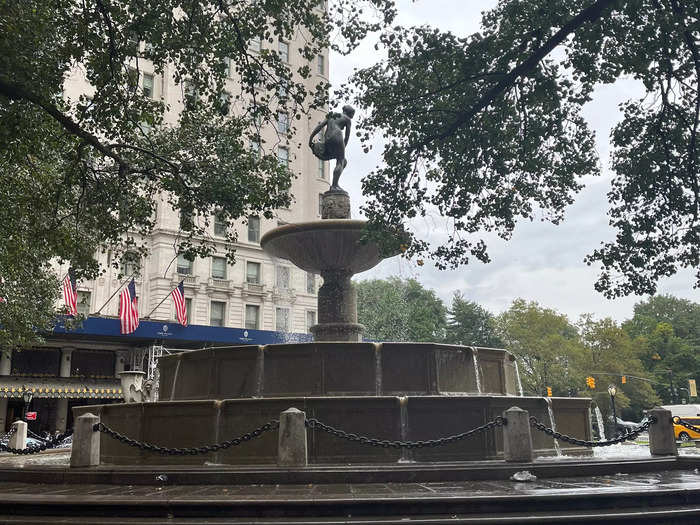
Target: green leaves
point(487, 162)
point(399, 310)
point(92, 138)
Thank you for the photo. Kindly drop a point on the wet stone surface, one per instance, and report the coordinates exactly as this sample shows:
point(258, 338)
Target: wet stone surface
point(308, 492)
point(618, 483)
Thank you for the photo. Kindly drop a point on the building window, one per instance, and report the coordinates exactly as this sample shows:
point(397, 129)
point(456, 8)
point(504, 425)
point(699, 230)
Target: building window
point(147, 85)
point(216, 313)
point(224, 104)
point(131, 264)
point(253, 229)
point(255, 44)
point(252, 272)
point(191, 95)
point(283, 277)
point(252, 316)
point(321, 64)
point(320, 204)
point(284, 51)
point(184, 266)
point(310, 320)
point(310, 282)
point(321, 169)
point(219, 225)
point(83, 303)
point(188, 309)
point(218, 267)
point(186, 221)
point(283, 156)
point(227, 67)
point(282, 122)
point(283, 89)
point(255, 148)
point(282, 319)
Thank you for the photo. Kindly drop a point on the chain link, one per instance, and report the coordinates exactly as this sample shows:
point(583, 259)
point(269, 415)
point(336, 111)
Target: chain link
point(312, 423)
point(679, 421)
point(34, 449)
point(187, 451)
point(627, 435)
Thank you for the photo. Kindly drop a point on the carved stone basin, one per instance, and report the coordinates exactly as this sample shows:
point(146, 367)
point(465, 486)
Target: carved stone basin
point(330, 245)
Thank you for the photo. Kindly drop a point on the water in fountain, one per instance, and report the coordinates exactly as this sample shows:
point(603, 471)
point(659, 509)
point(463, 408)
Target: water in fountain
point(552, 424)
point(599, 422)
point(517, 375)
point(475, 358)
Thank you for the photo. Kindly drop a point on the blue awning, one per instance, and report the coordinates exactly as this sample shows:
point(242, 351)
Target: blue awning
point(173, 332)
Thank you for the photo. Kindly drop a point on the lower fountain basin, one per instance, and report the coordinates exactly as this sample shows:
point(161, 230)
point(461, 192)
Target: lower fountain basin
point(196, 423)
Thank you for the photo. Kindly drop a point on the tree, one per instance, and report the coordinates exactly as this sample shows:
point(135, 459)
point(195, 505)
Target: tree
point(470, 324)
point(610, 353)
point(546, 345)
point(668, 329)
point(487, 129)
point(82, 173)
point(400, 310)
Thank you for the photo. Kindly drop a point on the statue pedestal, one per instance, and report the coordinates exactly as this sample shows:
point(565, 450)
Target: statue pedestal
point(335, 204)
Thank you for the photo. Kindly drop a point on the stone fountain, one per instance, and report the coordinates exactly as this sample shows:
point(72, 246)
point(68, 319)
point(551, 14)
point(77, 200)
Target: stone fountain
point(395, 391)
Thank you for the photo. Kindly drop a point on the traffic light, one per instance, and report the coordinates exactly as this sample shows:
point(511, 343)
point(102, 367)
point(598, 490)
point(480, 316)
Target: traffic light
point(590, 381)
point(623, 380)
point(549, 391)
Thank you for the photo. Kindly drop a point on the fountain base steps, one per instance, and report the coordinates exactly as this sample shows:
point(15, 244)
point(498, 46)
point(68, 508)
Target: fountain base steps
point(669, 495)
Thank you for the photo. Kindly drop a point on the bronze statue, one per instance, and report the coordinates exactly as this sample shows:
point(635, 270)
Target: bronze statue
point(333, 144)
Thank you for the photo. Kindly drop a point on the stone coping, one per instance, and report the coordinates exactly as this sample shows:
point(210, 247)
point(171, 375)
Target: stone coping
point(396, 473)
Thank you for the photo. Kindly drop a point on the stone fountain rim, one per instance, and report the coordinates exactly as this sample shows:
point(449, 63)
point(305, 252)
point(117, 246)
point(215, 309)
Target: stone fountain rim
point(320, 225)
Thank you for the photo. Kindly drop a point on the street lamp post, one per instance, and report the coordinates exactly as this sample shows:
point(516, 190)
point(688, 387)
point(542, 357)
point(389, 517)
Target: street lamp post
point(27, 398)
point(612, 391)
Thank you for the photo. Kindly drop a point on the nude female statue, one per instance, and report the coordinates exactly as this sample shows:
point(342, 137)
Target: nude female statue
point(334, 142)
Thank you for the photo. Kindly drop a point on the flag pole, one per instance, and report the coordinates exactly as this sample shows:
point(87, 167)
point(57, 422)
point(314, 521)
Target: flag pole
point(164, 298)
point(115, 293)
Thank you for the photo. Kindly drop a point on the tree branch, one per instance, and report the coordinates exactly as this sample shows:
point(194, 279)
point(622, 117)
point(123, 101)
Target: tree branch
point(15, 91)
point(590, 14)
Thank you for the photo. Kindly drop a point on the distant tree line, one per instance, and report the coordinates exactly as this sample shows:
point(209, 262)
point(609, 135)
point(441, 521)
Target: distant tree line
point(657, 349)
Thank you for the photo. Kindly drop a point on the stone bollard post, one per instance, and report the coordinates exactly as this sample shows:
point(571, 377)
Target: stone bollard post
point(292, 450)
point(18, 439)
point(86, 442)
point(662, 440)
point(517, 438)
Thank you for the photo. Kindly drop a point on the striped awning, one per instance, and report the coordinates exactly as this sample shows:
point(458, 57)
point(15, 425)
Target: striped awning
point(57, 389)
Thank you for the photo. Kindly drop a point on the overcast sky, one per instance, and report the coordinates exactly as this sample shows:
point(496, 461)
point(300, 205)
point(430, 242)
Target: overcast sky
point(542, 262)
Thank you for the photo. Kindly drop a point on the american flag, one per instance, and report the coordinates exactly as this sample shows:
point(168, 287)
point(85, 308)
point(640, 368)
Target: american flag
point(70, 295)
point(180, 306)
point(128, 310)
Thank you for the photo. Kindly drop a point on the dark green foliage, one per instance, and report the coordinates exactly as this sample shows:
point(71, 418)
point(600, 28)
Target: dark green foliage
point(399, 310)
point(487, 129)
point(470, 324)
point(81, 173)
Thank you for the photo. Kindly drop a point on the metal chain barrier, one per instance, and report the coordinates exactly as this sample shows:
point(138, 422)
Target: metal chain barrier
point(679, 421)
point(34, 449)
point(627, 435)
point(7, 435)
point(187, 451)
point(312, 423)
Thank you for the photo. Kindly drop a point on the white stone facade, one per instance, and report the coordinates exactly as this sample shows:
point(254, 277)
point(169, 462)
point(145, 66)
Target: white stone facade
point(283, 298)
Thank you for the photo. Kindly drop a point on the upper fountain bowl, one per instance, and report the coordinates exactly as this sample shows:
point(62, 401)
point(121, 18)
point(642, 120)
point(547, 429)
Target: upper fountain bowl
point(329, 245)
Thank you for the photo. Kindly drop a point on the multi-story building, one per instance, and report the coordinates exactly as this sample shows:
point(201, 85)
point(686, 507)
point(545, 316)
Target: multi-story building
point(252, 301)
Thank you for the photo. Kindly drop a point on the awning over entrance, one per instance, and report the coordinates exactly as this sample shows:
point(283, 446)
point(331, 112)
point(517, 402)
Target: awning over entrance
point(57, 387)
point(149, 331)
